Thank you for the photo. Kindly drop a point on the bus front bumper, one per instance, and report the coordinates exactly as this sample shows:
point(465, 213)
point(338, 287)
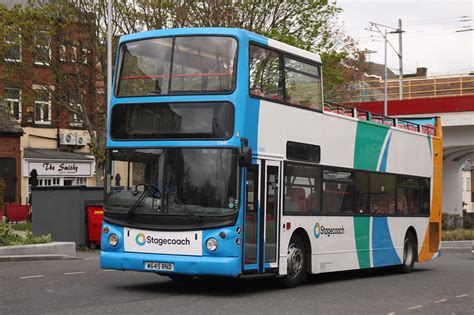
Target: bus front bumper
point(189, 265)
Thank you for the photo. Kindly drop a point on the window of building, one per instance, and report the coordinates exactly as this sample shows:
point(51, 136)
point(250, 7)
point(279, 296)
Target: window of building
point(13, 49)
point(81, 181)
point(265, 73)
point(84, 53)
point(382, 193)
point(302, 84)
point(62, 53)
point(302, 193)
point(13, 101)
point(49, 181)
point(43, 48)
point(74, 54)
point(338, 192)
point(75, 114)
point(43, 108)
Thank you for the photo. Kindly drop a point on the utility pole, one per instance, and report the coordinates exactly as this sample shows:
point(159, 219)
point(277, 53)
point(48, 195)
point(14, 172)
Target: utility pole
point(400, 57)
point(399, 54)
point(109, 54)
point(385, 84)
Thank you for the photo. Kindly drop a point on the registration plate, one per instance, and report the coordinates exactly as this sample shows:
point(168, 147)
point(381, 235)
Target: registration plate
point(159, 266)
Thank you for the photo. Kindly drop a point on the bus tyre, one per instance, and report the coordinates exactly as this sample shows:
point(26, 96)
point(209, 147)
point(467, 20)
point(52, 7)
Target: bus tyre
point(409, 253)
point(296, 263)
point(180, 278)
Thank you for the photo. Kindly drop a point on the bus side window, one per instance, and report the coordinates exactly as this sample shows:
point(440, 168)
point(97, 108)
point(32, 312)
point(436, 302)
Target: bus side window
point(362, 193)
point(382, 193)
point(303, 84)
point(411, 196)
point(265, 74)
point(302, 190)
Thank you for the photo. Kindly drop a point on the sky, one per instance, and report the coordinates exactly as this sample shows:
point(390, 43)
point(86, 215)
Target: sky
point(430, 39)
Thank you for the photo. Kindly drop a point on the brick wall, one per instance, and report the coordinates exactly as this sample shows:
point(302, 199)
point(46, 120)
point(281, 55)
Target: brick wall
point(10, 148)
point(26, 74)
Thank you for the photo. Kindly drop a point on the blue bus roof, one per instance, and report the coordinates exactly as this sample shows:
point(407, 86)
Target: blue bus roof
point(191, 31)
point(237, 32)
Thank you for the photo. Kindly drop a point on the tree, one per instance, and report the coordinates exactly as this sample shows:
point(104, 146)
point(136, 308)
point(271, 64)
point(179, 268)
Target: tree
point(310, 25)
point(61, 43)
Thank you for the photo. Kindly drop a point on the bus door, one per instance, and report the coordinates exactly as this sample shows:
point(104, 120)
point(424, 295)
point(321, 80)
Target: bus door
point(261, 217)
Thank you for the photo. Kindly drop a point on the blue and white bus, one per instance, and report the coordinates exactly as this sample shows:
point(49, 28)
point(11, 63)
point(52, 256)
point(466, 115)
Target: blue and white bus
point(223, 160)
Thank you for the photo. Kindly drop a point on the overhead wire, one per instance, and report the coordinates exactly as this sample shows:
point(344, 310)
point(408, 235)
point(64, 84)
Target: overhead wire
point(438, 20)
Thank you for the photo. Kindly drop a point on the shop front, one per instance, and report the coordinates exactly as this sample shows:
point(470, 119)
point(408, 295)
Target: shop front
point(56, 168)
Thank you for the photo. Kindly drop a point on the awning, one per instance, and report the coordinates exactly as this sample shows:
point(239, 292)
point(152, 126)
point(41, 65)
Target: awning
point(50, 154)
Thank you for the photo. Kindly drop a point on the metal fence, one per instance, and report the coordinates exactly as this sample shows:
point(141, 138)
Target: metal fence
point(416, 87)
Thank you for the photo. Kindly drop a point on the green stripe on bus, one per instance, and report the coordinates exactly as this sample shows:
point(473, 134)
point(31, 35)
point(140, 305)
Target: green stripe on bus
point(362, 238)
point(368, 145)
point(429, 144)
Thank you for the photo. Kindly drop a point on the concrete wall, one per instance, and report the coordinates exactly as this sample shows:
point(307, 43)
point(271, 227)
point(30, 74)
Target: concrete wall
point(452, 188)
point(60, 211)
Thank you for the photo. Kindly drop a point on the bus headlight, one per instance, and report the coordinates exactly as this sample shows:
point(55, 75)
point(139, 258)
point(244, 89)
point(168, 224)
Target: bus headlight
point(211, 244)
point(113, 240)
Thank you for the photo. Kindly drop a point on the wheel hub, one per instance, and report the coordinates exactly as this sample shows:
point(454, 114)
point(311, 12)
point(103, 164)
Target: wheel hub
point(295, 260)
point(408, 253)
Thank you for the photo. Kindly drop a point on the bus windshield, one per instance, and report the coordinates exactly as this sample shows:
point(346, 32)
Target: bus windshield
point(177, 65)
point(173, 181)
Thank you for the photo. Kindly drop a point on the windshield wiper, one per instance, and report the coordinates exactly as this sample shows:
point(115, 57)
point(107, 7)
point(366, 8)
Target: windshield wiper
point(188, 211)
point(140, 199)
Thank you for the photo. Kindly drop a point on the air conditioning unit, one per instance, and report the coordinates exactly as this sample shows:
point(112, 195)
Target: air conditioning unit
point(67, 138)
point(82, 140)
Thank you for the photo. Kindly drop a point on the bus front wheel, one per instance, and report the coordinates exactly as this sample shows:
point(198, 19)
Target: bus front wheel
point(296, 263)
point(409, 253)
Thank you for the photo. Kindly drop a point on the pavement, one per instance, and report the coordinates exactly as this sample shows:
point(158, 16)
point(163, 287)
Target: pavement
point(47, 251)
point(441, 286)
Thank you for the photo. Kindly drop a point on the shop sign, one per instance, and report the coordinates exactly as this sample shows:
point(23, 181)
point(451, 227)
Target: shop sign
point(61, 168)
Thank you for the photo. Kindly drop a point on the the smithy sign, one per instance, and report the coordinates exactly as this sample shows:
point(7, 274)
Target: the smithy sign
point(61, 168)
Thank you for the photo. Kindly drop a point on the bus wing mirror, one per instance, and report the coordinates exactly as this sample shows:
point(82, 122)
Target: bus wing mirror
point(245, 157)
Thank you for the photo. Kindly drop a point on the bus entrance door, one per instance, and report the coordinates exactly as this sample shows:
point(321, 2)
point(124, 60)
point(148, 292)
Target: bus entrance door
point(261, 216)
point(251, 219)
point(270, 215)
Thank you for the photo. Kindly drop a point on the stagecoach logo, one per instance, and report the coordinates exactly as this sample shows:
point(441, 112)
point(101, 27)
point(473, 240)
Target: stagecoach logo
point(317, 230)
point(328, 231)
point(140, 239)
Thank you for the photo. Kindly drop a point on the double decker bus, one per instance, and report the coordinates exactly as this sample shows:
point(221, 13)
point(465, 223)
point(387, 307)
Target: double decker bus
point(224, 160)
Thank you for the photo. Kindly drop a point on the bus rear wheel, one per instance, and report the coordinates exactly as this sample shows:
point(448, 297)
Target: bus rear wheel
point(296, 263)
point(409, 253)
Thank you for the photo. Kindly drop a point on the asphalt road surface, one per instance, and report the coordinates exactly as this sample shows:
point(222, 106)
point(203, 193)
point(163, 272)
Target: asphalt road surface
point(442, 286)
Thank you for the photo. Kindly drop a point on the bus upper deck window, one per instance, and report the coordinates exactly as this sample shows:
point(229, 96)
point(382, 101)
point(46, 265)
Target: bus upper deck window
point(178, 65)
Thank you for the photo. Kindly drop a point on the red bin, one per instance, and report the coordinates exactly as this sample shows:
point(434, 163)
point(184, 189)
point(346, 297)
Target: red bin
point(15, 213)
point(94, 226)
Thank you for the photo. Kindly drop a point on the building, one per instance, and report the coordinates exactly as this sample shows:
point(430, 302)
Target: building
point(48, 81)
point(10, 155)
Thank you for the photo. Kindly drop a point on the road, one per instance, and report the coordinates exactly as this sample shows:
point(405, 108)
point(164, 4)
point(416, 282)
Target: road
point(443, 286)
